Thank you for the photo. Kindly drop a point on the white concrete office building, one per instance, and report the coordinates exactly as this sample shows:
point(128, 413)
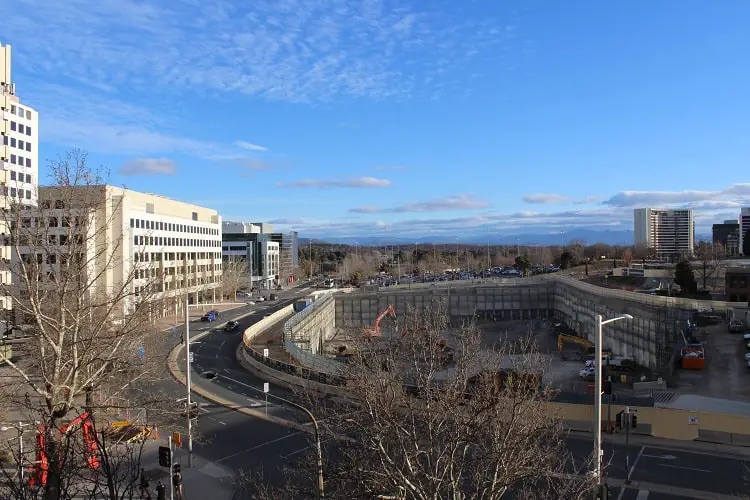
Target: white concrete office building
point(19, 166)
point(252, 243)
point(744, 220)
point(173, 246)
point(670, 233)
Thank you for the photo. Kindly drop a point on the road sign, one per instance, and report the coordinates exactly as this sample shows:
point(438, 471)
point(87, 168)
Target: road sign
point(266, 387)
point(191, 357)
point(177, 439)
point(120, 423)
point(693, 421)
point(265, 353)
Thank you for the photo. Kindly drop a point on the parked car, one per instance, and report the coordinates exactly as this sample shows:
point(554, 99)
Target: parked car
point(736, 326)
point(209, 316)
point(231, 326)
point(214, 312)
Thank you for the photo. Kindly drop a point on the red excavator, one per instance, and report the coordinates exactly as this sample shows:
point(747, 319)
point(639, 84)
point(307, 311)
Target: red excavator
point(375, 330)
point(41, 466)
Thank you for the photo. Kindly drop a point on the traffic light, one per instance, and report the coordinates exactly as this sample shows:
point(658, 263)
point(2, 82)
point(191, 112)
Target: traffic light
point(165, 456)
point(608, 387)
point(618, 419)
point(633, 420)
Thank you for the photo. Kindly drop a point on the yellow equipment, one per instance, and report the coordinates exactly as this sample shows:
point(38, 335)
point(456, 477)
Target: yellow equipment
point(561, 339)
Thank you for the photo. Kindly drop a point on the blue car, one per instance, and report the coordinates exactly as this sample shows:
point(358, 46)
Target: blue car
point(209, 316)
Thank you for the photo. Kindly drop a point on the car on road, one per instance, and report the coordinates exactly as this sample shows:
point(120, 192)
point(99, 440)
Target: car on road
point(747, 356)
point(231, 326)
point(215, 312)
point(736, 326)
point(746, 337)
point(266, 315)
point(250, 303)
point(209, 316)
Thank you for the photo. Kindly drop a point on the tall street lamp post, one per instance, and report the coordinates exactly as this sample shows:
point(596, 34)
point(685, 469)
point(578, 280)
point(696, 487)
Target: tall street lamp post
point(598, 391)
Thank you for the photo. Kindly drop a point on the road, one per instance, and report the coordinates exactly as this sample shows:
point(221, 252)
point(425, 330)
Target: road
point(246, 443)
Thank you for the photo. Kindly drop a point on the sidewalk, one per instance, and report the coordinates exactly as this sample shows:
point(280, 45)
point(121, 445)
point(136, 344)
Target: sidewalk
point(204, 480)
point(162, 324)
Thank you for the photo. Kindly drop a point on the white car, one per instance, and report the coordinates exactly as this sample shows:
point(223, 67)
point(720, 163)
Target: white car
point(747, 356)
point(250, 303)
point(746, 336)
point(588, 372)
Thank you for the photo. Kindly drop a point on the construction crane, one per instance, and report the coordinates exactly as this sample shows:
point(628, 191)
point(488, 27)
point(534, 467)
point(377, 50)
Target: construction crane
point(375, 330)
point(39, 476)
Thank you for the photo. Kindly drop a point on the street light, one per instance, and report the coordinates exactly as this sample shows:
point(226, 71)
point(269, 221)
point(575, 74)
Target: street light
point(598, 391)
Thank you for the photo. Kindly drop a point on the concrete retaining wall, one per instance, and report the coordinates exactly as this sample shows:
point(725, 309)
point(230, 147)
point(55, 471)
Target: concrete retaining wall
point(254, 330)
point(313, 330)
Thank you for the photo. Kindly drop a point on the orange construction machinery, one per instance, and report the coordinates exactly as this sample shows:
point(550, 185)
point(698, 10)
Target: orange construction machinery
point(40, 468)
point(375, 330)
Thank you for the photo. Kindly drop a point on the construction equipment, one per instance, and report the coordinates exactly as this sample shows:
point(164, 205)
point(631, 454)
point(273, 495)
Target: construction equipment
point(693, 357)
point(587, 345)
point(375, 330)
point(91, 447)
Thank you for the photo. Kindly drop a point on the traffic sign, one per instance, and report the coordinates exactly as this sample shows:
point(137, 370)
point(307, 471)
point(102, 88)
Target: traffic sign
point(265, 353)
point(177, 439)
point(191, 357)
point(266, 387)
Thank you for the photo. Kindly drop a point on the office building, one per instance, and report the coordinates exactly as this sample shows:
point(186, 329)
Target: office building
point(727, 235)
point(289, 247)
point(138, 245)
point(737, 284)
point(19, 137)
point(670, 233)
point(252, 243)
point(744, 223)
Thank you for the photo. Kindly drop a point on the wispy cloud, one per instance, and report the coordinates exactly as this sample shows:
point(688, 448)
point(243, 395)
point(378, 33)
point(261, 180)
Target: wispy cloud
point(250, 146)
point(736, 193)
point(545, 198)
point(447, 204)
point(275, 49)
point(354, 182)
point(149, 166)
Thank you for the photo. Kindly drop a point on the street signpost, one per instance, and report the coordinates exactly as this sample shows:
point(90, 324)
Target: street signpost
point(265, 353)
point(266, 387)
point(191, 357)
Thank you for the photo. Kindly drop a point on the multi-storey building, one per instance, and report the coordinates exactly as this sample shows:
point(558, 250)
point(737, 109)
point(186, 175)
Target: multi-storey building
point(289, 248)
point(727, 235)
point(744, 222)
point(670, 233)
point(19, 168)
point(138, 241)
point(252, 243)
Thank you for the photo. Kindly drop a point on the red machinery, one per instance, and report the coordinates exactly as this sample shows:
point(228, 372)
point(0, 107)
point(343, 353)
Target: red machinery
point(39, 471)
point(375, 331)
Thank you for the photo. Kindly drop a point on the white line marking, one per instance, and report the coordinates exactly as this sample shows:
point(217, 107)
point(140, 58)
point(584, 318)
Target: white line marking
point(642, 495)
point(637, 458)
point(258, 446)
point(686, 468)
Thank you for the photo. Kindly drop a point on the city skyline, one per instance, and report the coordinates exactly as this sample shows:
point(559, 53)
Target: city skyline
point(399, 120)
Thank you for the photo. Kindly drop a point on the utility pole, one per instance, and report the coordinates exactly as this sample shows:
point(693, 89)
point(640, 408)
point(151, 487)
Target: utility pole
point(189, 387)
point(309, 241)
point(489, 262)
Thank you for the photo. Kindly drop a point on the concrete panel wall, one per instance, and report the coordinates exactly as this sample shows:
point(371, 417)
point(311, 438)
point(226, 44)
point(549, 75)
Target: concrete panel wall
point(314, 329)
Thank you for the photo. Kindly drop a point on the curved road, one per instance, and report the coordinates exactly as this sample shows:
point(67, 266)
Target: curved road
point(253, 445)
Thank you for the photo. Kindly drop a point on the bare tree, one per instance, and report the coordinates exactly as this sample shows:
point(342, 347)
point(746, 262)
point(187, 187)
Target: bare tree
point(84, 298)
point(709, 257)
point(438, 416)
point(234, 276)
point(627, 257)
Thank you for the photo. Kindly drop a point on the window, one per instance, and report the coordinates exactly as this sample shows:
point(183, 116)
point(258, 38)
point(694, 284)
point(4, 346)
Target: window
point(28, 178)
point(13, 142)
point(20, 145)
point(20, 127)
point(12, 192)
point(28, 115)
point(12, 175)
point(28, 194)
point(13, 159)
point(13, 109)
point(28, 130)
point(13, 126)
point(20, 112)
point(5, 140)
point(28, 162)
point(132, 223)
point(195, 215)
point(28, 147)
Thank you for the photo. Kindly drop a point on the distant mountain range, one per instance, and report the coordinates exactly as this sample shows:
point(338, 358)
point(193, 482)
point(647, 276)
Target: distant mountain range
point(589, 236)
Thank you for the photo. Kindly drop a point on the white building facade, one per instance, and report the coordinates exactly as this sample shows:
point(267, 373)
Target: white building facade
point(174, 247)
point(19, 167)
point(744, 220)
point(670, 233)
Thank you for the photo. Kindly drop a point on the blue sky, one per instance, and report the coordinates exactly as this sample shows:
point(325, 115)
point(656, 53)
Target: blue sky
point(438, 117)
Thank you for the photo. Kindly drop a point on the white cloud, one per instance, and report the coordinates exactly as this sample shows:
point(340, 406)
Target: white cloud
point(545, 198)
point(149, 166)
point(739, 193)
point(275, 49)
point(354, 182)
point(447, 204)
point(250, 146)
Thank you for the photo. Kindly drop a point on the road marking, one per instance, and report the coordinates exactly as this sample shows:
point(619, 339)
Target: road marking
point(259, 446)
point(686, 468)
point(642, 495)
point(638, 457)
point(663, 457)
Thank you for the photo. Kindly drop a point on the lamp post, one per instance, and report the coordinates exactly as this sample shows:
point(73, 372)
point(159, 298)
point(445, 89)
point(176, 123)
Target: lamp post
point(598, 391)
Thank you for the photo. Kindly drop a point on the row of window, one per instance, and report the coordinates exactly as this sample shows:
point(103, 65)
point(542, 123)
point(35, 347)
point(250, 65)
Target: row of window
point(20, 112)
point(163, 241)
point(153, 272)
point(22, 145)
point(16, 193)
point(169, 285)
point(20, 128)
point(20, 177)
point(158, 256)
point(20, 160)
point(168, 226)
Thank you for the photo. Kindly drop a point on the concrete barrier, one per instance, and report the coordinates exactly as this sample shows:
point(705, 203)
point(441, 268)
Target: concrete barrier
point(254, 330)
